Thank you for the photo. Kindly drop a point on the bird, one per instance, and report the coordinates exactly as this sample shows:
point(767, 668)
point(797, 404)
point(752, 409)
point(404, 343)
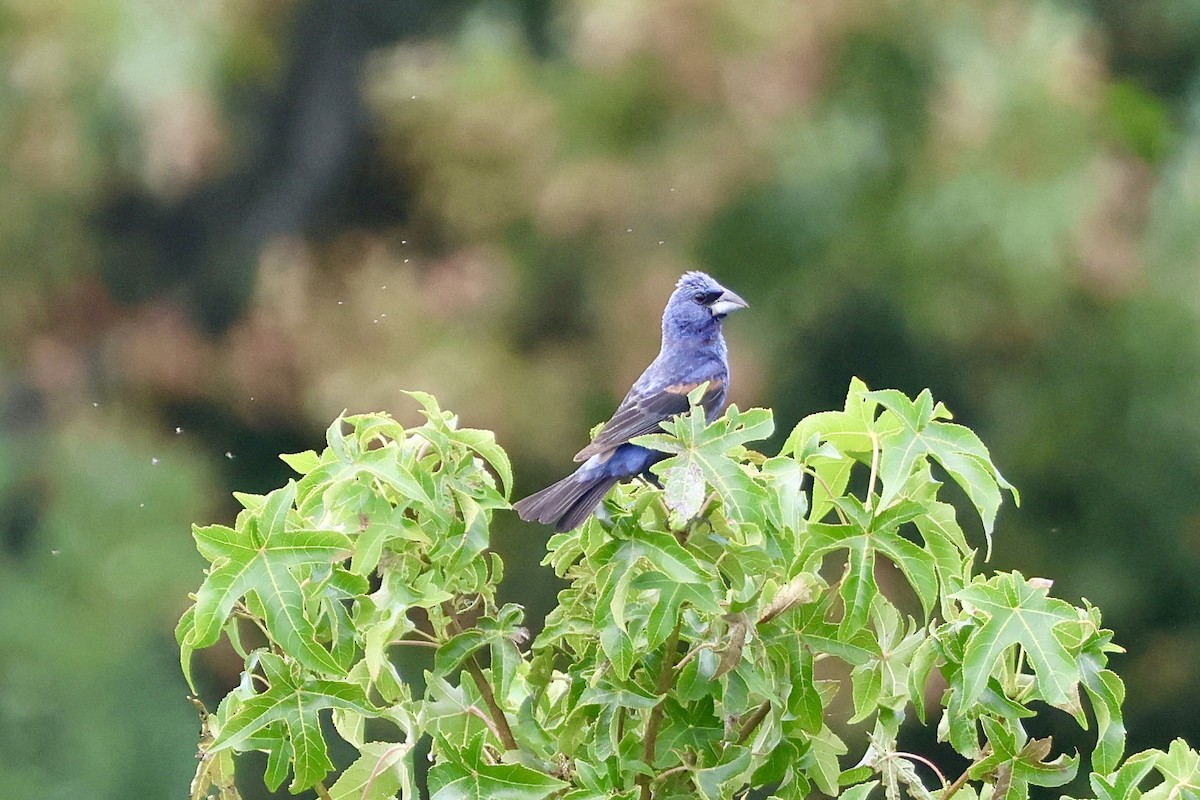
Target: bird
point(693, 352)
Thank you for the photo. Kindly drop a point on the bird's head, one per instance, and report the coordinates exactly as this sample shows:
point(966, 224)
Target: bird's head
point(698, 305)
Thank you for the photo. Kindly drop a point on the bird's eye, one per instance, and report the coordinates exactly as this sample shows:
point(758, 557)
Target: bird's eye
point(700, 297)
point(706, 298)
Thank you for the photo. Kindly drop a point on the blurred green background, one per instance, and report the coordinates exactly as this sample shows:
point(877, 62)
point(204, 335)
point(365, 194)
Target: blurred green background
point(222, 223)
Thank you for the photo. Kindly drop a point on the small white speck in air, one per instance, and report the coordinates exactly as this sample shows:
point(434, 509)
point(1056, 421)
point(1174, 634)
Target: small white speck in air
point(55, 551)
point(661, 242)
point(141, 505)
point(228, 454)
point(629, 230)
point(341, 302)
point(154, 461)
point(178, 429)
point(95, 405)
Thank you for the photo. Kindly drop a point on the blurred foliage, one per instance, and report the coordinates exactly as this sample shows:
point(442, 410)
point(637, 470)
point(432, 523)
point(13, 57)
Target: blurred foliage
point(238, 219)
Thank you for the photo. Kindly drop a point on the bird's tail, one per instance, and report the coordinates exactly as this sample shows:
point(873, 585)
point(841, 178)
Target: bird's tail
point(566, 504)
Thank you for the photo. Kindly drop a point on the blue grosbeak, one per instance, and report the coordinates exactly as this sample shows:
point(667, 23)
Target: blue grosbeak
point(693, 352)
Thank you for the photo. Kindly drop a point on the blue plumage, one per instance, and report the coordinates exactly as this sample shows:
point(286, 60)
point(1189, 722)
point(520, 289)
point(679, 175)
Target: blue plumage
point(693, 352)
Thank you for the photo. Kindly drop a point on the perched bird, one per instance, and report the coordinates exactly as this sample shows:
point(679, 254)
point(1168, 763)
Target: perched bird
point(693, 352)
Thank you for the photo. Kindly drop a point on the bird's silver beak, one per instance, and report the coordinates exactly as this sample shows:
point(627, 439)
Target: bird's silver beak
point(727, 302)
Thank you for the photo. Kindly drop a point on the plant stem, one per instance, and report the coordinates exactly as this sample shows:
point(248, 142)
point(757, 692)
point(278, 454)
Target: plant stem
point(695, 651)
point(874, 470)
point(415, 643)
point(503, 730)
point(829, 492)
point(662, 776)
point(959, 782)
point(666, 672)
point(321, 791)
point(485, 689)
point(753, 721)
point(926, 762)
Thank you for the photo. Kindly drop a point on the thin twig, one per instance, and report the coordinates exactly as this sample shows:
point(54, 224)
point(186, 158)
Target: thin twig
point(1016, 676)
point(485, 689)
point(753, 721)
point(423, 447)
point(415, 643)
point(380, 767)
point(828, 491)
point(491, 726)
point(666, 673)
point(874, 470)
point(503, 730)
point(429, 637)
point(926, 762)
point(662, 776)
point(961, 780)
point(695, 651)
point(240, 610)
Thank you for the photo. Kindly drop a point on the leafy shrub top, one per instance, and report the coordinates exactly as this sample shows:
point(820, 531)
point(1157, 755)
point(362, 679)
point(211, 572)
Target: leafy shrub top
point(697, 651)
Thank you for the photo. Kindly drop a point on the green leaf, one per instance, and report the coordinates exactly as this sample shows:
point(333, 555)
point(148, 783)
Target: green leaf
point(466, 775)
point(183, 636)
point(244, 562)
point(861, 544)
point(1180, 769)
point(215, 771)
point(296, 706)
point(821, 760)
point(484, 443)
point(957, 449)
point(923, 660)
point(727, 777)
point(377, 774)
point(458, 649)
point(848, 430)
point(1013, 612)
point(1107, 693)
point(684, 490)
point(618, 649)
point(624, 560)
point(859, 792)
point(1017, 763)
point(448, 713)
point(303, 463)
point(672, 596)
point(704, 449)
point(829, 443)
point(867, 686)
point(789, 505)
point(944, 540)
point(1123, 784)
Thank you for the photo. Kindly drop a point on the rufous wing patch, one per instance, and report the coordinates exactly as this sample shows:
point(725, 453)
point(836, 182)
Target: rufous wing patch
point(690, 386)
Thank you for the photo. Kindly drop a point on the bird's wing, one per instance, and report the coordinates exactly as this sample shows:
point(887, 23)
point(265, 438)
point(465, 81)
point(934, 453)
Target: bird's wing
point(641, 412)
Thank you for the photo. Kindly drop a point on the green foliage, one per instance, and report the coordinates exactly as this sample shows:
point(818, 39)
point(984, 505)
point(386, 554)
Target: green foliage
point(700, 647)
